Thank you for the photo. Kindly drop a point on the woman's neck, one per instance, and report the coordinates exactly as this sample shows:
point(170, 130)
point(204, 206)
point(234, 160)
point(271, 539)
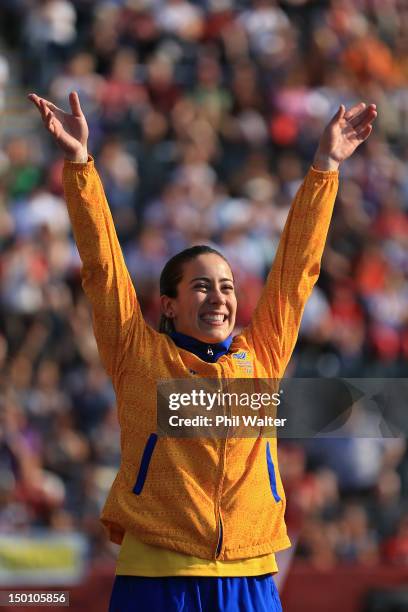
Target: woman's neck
point(209, 352)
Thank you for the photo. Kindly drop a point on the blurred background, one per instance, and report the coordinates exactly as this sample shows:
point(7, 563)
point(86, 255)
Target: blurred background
point(204, 116)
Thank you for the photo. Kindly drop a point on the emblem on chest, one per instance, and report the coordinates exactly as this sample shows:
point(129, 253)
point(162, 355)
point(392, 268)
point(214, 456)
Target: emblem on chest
point(243, 363)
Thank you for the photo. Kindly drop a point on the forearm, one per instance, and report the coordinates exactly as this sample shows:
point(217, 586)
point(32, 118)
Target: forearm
point(275, 324)
point(89, 213)
point(105, 278)
point(303, 239)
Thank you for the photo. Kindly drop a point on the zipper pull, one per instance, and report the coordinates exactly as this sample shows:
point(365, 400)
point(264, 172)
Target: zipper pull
point(210, 351)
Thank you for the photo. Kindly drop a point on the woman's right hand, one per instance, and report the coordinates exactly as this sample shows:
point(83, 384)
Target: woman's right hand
point(70, 130)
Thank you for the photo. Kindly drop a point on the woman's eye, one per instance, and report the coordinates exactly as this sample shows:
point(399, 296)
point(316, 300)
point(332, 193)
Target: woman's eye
point(204, 287)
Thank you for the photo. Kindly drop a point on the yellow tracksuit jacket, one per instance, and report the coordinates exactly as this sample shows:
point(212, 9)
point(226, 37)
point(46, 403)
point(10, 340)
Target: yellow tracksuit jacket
point(189, 491)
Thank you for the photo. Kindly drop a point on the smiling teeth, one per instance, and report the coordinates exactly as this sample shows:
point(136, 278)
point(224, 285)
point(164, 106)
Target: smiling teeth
point(215, 318)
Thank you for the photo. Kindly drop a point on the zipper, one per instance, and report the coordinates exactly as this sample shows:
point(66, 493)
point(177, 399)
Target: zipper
point(220, 537)
point(218, 548)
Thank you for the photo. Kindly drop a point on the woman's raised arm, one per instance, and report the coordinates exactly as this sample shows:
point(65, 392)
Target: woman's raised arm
point(105, 278)
point(275, 324)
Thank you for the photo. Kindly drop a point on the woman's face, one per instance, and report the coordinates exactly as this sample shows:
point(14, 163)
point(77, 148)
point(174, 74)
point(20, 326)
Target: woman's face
point(206, 304)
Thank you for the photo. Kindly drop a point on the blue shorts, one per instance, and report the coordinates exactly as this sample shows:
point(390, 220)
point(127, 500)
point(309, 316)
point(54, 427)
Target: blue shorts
point(195, 594)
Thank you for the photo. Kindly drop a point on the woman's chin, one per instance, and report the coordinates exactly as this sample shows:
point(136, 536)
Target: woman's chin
point(214, 336)
point(209, 335)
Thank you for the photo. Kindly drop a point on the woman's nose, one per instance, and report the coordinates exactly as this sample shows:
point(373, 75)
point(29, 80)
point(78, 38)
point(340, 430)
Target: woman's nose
point(217, 297)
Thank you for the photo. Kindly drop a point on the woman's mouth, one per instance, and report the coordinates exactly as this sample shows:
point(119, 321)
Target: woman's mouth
point(214, 319)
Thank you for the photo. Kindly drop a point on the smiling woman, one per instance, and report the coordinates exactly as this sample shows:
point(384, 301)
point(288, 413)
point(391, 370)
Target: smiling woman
point(198, 520)
point(198, 295)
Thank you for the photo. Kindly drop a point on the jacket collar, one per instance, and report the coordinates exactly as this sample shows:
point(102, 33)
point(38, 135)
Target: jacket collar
point(207, 352)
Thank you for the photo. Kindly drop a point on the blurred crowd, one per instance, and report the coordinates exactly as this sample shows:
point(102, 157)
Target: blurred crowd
point(204, 117)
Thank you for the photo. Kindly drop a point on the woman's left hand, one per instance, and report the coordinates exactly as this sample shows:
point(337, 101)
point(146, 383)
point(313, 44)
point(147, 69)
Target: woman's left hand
point(345, 132)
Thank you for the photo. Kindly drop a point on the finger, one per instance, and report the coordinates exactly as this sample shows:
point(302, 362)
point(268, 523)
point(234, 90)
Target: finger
point(49, 119)
point(50, 122)
point(43, 109)
point(35, 99)
point(364, 118)
point(75, 104)
point(42, 104)
point(354, 110)
point(372, 111)
point(339, 114)
point(47, 115)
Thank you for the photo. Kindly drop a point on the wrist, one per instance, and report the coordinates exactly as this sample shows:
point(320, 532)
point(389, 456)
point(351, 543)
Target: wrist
point(80, 157)
point(325, 162)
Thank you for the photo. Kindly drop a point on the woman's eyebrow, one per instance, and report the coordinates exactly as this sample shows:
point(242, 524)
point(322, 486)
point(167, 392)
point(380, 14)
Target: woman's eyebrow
point(203, 278)
point(208, 280)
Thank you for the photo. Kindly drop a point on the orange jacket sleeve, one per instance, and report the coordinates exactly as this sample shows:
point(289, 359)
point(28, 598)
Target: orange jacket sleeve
point(105, 279)
point(275, 324)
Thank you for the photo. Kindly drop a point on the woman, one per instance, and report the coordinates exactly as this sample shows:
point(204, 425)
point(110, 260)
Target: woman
point(198, 520)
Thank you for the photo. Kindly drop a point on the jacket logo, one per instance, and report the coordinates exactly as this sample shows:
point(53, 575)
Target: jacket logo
point(244, 363)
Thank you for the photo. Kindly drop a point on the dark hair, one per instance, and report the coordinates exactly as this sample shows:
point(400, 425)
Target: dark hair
point(172, 274)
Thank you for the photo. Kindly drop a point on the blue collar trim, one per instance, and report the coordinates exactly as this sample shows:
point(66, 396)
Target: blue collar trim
point(207, 352)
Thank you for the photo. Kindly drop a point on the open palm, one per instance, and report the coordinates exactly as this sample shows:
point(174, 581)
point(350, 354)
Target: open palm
point(346, 131)
point(70, 130)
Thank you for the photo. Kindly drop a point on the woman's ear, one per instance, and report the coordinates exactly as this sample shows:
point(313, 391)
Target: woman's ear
point(167, 306)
